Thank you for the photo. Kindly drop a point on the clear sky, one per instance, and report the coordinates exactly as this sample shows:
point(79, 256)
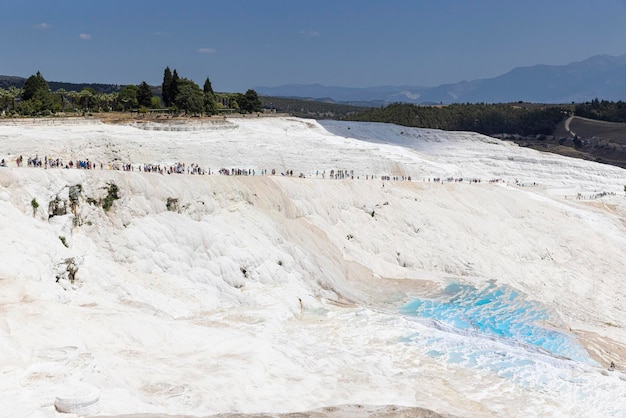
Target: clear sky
point(241, 44)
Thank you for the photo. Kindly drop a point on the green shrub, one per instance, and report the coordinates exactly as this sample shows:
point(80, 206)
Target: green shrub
point(111, 197)
point(34, 205)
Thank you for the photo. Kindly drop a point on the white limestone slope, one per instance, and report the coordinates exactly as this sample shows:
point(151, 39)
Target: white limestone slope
point(276, 293)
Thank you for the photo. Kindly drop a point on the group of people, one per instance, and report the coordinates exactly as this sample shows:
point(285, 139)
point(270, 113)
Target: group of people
point(594, 196)
point(182, 168)
point(196, 169)
point(176, 168)
point(459, 180)
point(49, 162)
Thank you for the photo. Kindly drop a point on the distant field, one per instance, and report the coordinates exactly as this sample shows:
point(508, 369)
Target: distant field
point(589, 128)
point(604, 142)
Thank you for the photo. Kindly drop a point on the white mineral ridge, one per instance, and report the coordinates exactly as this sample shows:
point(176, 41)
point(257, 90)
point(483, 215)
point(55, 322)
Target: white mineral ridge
point(282, 294)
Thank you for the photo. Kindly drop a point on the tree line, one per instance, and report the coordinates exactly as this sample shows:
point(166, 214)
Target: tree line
point(313, 109)
point(177, 94)
point(488, 119)
point(183, 96)
point(602, 110)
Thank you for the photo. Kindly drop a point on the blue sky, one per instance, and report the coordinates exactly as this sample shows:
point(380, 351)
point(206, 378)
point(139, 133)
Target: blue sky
point(354, 43)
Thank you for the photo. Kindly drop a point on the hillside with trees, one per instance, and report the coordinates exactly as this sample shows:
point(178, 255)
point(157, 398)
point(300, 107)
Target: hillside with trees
point(602, 110)
point(310, 108)
point(35, 96)
point(538, 126)
point(489, 119)
point(7, 82)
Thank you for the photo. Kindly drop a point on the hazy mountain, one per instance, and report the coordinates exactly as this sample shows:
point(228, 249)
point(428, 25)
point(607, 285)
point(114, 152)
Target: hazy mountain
point(600, 76)
point(7, 81)
point(351, 95)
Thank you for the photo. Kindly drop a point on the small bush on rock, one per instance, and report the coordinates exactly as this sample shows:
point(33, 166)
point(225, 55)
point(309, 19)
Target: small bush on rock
point(111, 197)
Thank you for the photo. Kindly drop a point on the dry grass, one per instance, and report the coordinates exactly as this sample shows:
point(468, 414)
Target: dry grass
point(588, 128)
point(604, 142)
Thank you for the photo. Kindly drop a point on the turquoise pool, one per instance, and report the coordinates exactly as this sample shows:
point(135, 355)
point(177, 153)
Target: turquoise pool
point(501, 313)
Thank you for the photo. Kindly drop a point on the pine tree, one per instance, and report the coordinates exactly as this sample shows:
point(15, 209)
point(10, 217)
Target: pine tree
point(207, 87)
point(173, 89)
point(166, 87)
point(210, 105)
point(250, 102)
point(36, 96)
point(33, 85)
point(144, 95)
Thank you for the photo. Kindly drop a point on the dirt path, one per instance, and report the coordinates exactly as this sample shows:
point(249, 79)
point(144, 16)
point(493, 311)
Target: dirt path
point(567, 122)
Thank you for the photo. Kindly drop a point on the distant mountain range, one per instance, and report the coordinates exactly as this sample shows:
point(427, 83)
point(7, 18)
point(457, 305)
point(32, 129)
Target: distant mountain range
point(601, 76)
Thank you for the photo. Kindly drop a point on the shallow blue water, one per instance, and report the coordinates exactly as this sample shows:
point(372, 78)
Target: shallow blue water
point(497, 312)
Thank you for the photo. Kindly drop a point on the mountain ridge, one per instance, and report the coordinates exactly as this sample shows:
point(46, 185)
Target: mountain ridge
point(600, 76)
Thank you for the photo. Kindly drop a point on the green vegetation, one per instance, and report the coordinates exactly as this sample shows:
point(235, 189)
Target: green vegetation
point(310, 108)
point(128, 97)
point(602, 110)
point(182, 94)
point(189, 98)
point(488, 119)
point(249, 102)
point(144, 95)
point(111, 197)
point(64, 241)
point(34, 204)
point(169, 88)
point(36, 97)
point(210, 104)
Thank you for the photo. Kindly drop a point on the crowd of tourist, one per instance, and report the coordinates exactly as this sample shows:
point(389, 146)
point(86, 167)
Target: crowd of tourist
point(182, 168)
point(195, 169)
